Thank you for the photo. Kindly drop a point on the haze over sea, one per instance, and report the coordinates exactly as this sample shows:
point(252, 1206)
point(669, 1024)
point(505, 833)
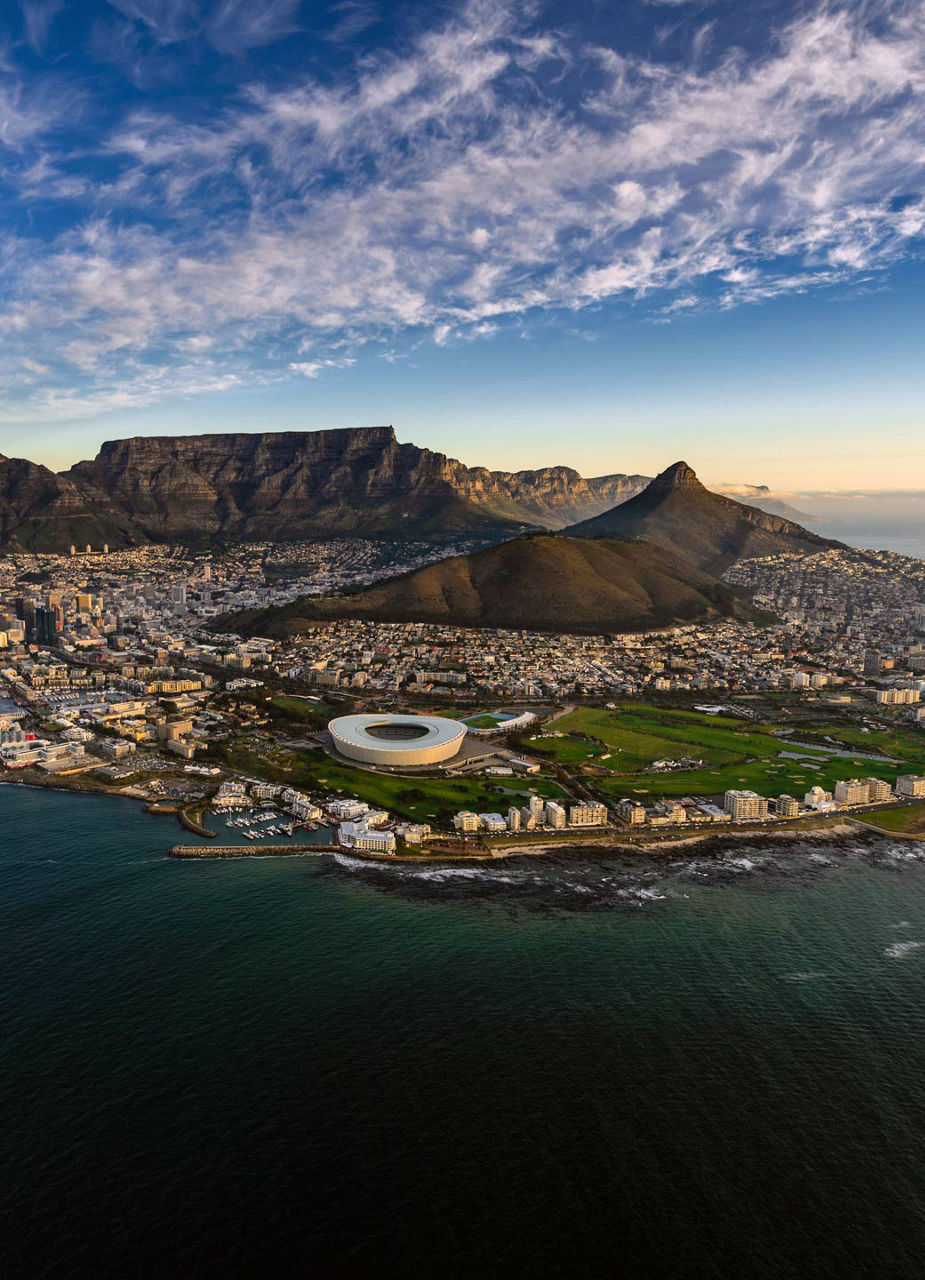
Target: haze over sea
point(891, 522)
point(713, 1066)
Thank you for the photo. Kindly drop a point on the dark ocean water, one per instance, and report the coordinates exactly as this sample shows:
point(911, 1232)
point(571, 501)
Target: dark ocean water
point(714, 1068)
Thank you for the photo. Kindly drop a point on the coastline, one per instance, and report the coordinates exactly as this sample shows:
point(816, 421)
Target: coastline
point(831, 830)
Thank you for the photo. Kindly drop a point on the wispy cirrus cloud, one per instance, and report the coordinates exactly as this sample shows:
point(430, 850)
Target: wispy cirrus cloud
point(351, 18)
point(38, 16)
point(231, 26)
point(489, 169)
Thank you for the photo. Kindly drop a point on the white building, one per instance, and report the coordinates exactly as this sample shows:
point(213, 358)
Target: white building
point(347, 810)
point(879, 790)
point(587, 815)
point(414, 832)
point(632, 812)
point(910, 784)
point(854, 791)
point(356, 835)
point(306, 809)
point(818, 798)
point(555, 815)
point(745, 806)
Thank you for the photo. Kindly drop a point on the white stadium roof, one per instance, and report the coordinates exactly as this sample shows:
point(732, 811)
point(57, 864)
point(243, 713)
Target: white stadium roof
point(397, 740)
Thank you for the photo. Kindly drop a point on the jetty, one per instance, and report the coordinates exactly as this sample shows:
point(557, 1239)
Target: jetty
point(249, 850)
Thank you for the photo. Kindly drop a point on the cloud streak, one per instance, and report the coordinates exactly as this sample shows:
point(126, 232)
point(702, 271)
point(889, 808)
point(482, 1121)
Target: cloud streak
point(489, 169)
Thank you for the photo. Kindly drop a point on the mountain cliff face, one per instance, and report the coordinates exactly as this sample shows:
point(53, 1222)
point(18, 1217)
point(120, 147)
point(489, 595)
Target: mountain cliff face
point(283, 485)
point(677, 513)
point(298, 484)
point(48, 512)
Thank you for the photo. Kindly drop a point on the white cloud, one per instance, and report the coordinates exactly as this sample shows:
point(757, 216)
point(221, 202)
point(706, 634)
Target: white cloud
point(353, 17)
point(313, 368)
point(460, 182)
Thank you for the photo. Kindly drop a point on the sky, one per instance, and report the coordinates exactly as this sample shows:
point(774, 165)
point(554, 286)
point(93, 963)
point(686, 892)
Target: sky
point(523, 233)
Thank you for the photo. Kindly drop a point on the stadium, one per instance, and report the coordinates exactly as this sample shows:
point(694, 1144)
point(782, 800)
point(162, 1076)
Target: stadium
point(392, 741)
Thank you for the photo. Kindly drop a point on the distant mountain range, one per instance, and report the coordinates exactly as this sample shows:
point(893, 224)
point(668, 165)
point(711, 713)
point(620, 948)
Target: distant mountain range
point(278, 486)
point(275, 486)
point(649, 562)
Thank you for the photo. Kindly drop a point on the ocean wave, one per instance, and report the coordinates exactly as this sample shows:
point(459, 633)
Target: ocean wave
point(601, 880)
point(899, 950)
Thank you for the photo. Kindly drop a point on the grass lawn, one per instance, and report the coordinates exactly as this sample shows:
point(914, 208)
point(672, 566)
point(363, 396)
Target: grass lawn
point(768, 776)
point(901, 743)
point(300, 708)
point(736, 753)
point(908, 819)
point(635, 736)
point(423, 799)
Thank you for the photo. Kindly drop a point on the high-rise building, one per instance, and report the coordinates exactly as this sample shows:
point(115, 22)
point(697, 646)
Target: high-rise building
point(878, 789)
point(787, 806)
point(745, 806)
point(910, 785)
point(872, 662)
point(555, 815)
point(854, 791)
point(587, 815)
point(632, 812)
point(46, 631)
point(513, 818)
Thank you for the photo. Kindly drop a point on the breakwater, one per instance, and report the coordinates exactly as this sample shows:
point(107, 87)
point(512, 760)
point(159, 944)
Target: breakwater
point(248, 850)
point(192, 824)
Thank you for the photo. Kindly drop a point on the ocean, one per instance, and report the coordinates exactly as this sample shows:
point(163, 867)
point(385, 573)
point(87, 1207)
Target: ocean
point(711, 1066)
point(885, 521)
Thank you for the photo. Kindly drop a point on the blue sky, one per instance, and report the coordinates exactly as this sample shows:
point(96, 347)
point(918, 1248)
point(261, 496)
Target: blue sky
point(603, 234)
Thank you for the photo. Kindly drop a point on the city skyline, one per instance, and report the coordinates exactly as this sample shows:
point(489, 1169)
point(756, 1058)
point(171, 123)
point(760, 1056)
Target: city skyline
point(524, 234)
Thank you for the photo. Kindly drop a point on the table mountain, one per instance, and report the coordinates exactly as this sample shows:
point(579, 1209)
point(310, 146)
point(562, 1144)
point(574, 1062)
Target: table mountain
point(537, 582)
point(275, 486)
point(677, 513)
point(49, 512)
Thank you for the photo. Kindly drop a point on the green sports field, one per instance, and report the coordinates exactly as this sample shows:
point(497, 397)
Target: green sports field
point(735, 753)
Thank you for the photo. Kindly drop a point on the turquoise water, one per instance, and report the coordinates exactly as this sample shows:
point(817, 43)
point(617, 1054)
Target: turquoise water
point(557, 1066)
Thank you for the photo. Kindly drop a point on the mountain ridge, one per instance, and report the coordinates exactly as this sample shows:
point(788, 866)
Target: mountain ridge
point(212, 489)
point(676, 512)
point(275, 486)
